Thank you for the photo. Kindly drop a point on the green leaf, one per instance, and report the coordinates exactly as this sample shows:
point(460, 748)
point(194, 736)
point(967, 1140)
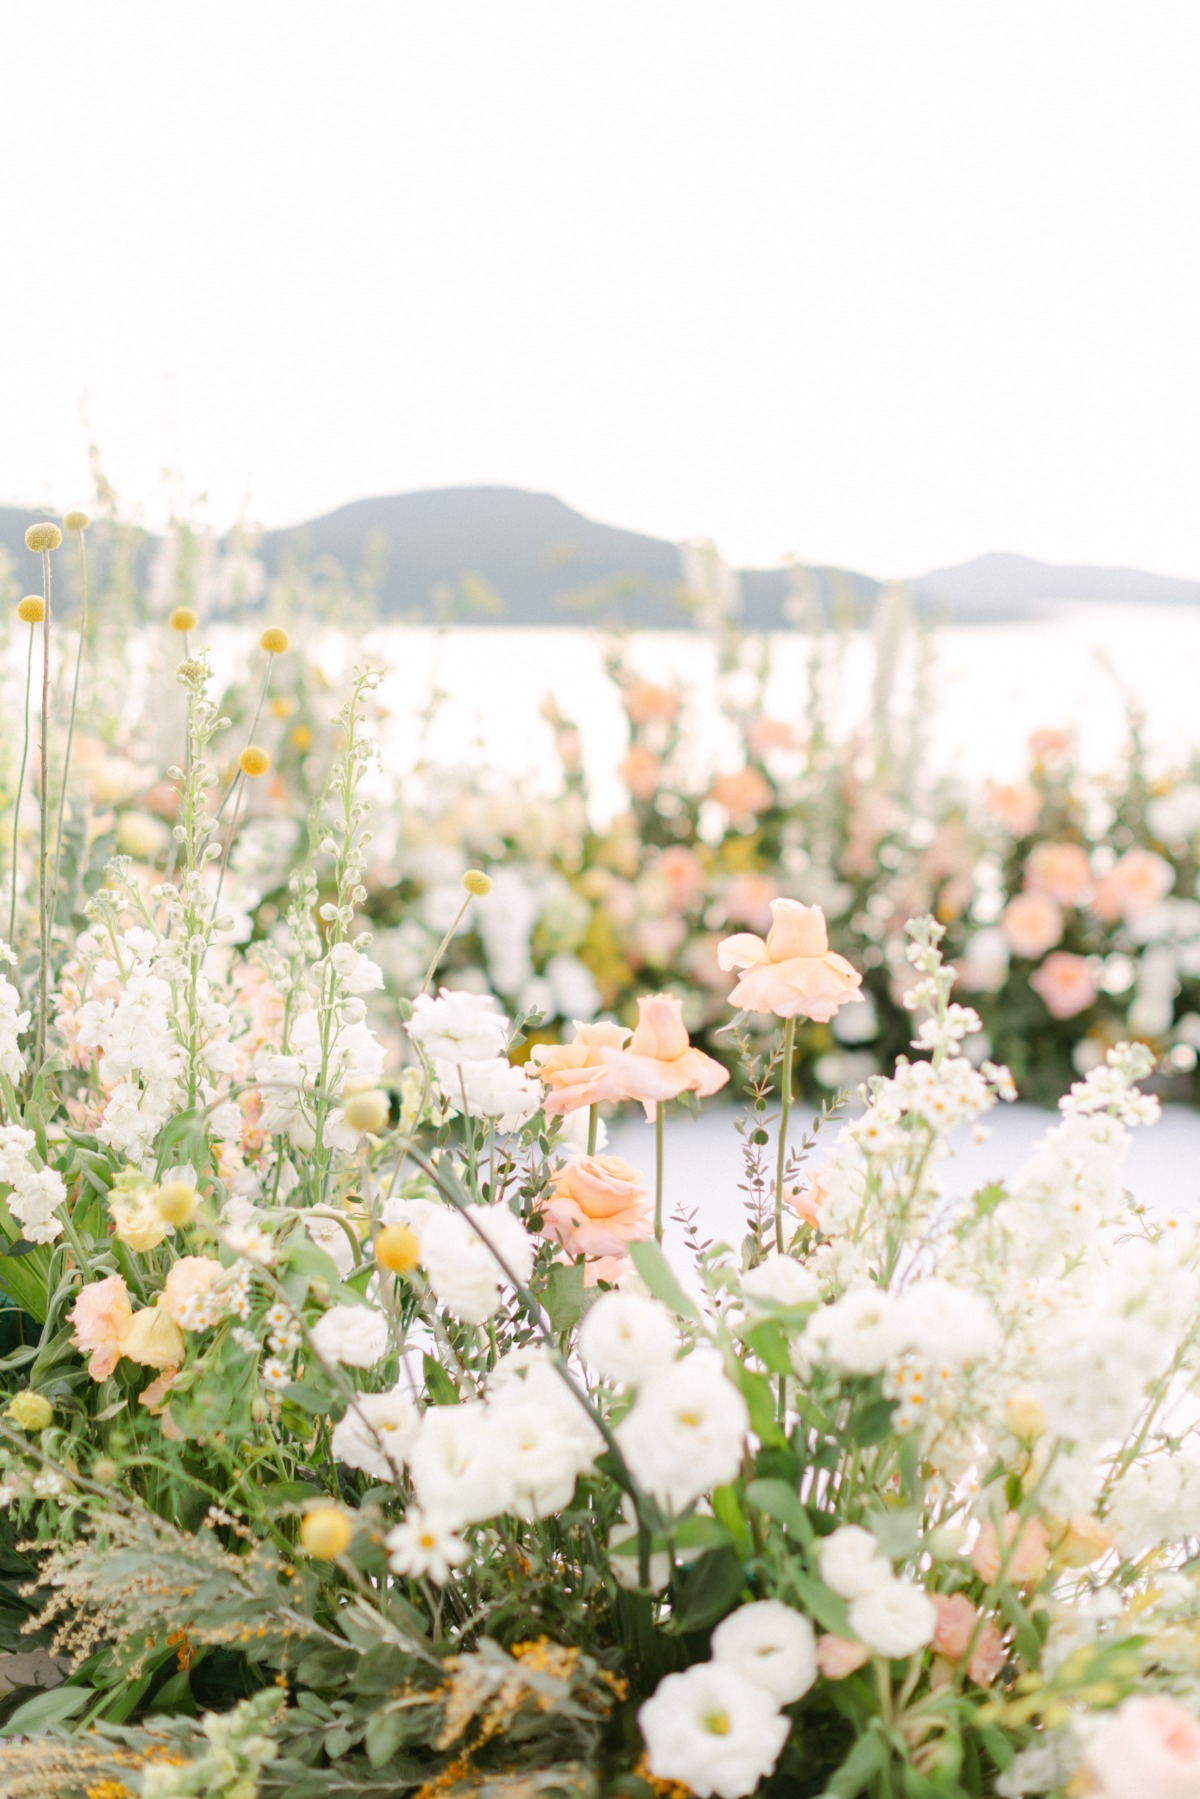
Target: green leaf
point(385, 1733)
point(858, 1770)
point(759, 1395)
point(656, 1271)
point(898, 1532)
point(781, 1502)
point(44, 1709)
point(820, 1603)
point(710, 1589)
point(439, 1386)
point(381, 1669)
point(769, 1343)
point(698, 1533)
point(564, 1296)
point(728, 1511)
point(871, 1423)
point(1026, 1640)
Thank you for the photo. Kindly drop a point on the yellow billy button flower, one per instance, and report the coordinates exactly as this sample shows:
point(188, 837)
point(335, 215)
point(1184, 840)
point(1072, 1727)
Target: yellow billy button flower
point(32, 609)
point(273, 640)
point(476, 882)
point(302, 737)
point(397, 1249)
point(254, 761)
point(175, 1202)
point(325, 1532)
point(183, 619)
point(44, 536)
point(32, 1411)
point(76, 521)
point(366, 1111)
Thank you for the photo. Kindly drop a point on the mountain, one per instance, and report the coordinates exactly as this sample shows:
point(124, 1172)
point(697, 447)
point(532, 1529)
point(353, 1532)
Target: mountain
point(505, 555)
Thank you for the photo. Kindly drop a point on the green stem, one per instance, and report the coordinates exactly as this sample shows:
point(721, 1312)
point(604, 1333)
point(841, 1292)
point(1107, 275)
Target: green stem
point(44, 825)
point(12, 910)
point(658, 1172)
point(785, 1088)
point(62, 798)
point(593, 1128)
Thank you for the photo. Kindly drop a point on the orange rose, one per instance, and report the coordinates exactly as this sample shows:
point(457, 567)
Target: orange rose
point(838, 1657)
point(1033, 924)
point(188, 1276)
point(1016, 806)
point(746, 792)
point(956, 1624)
point(644, 702)
point(793, 972)
point(660, 1062)
point(599, 1206)
point(575, 1073)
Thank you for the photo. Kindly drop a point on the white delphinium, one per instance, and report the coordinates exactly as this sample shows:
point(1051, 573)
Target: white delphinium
point(685, 1432)
point(894, 1619)
point(141, 1061)
point(354, 1335)
point(424, 1547)
point(944, 1323)
point(771, 1645)
point(468, 1258)
point(458, 1027)
point(713, 1730)
point(851, 1562)
point(355, 972)
point(376, 1433)
point(36, 1193)
point(627, 1338)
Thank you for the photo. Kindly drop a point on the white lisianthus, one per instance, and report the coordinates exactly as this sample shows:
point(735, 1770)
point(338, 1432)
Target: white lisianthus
point(858, 1334)
point(712, 1730)
point(424, 1548)
point(685, 1432)
point(493, 1089)
point(851, 1562)
point(780, 1280)
point(356, 1336)
point(458, 1027)
point(542, 1462)
point(376, 1433)
point(895, 1619)
point(771, 1645)
point(454, 1468)
point(465, 1275)
point(628, 1339)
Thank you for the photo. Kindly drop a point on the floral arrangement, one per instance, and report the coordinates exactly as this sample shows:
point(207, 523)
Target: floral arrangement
point(359, 1436)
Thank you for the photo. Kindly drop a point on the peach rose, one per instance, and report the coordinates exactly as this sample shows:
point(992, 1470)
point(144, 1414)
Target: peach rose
point(645, 703)
point(1033, 924)
point(188, 1276)
point(640, 772)
point(956, 1620)
point(763, 734)
point(1132, 886)
point(793, 972)
point(153, 1338)
point(1061, 870)
point(659, 1062)
point(747, 791)
point(1149, 1745)
point(681, 873)
point(575, 1073)
point(837, 1656)
point(102, 1316)
point(1064, 985)
point(1048, 742)
point(808, 1197)
point(1016, 805)
point(1084, 1541)
point(599, 1206)
point(1029, 1559)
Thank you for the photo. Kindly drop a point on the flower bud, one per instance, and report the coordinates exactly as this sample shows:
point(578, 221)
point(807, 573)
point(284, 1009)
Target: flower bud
point(183, 619)
point(254, 761)
point(76, 521)
point(1024, 1417)
point(32, 609)
point(273, 641)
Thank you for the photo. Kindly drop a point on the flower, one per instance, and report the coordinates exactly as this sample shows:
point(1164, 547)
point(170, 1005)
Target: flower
point(747, 791)
point(102, 1315)
point(42, 536)
point(175, 1202)
point(494, 1089)
point(640, 772)
point(685, 1432)
point(713, 1730)
point(32, 609)
point(1027, 1561)
point(1064, 984)
point(153, 1338)
point(1134, 884)
point(254, 761)
point(1033, 924)
point(326, 1532)
point(477, 883)
point(575, 1073)
point(458, 1255)
point(458, 1027)
point(646, 703)
point(793, 972)
point(454, 1469)
point(397, 1248)
point(852, 1563)
point(76, 521)
point(367, 1111)
point(187, 1278)
point(599, 1206)
point(376, 1433)
point(183, 619)
point(659, 1062)
point(424, 1549)
point(1060, 869)
point(771, 1645)
point(1149, 1745)
point(355, 1336)
point(780, 1280)
point(1016, 806)
point(136, 1218)
point(858, 1334)
point(838, 1657)
point(273, 640)
point(32, 1411)
point(628, 1338)
point(894, 1619)
point(957, 1622)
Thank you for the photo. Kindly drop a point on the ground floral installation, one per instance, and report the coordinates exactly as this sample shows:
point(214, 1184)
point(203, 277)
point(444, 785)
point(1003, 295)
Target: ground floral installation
point(360, 1439)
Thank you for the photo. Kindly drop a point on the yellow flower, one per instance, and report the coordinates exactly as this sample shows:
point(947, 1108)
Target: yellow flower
point(183, 619)
point(397, 1249)
point(154, 1339)
point(302, 737)
point(366, 1111)
point(44, 536)
point(254, 761)
point(325, 1532)
point(175, 1202)
point(32, 609)
point(32, 1411)
point(283, 705)
point(76, 521)
point(136, 1220)
point(273, 641)
point(476, 882)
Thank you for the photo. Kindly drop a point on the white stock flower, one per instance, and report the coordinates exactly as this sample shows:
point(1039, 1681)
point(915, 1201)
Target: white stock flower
point(712, 1730)
point(13, 1021)
point(771, 1645)
point(685, 1432)
point(628, 1339)
point(782, 1281)
point(894, 1619)
point(377, 1433)
point(36, 1192)
point(424, 1548)
point(458, 1027)
point(494, 1089)
point(356, 1336)
point(852, 1563)
point(465, 1275)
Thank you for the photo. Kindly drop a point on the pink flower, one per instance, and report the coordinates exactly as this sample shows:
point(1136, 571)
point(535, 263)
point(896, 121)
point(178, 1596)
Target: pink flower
point(1061, 870)
point(1150, 1746)
point(1029, 1559)
point(1133, 885)
point(838, 1656)
point(748, 791)
point(793, 973)
point(808, 1197)
point(1033, 924)
point(640, 772)
point(1049, 741)
point(763, 734)
point(599, 1206)
point(749, 901)
point(574, 1073)
point(681, 873)
point(102, 1316)
point(659, 1062)
point(1064, 984)
point(1016, 806)
point(956, 1621)
point(646, 704)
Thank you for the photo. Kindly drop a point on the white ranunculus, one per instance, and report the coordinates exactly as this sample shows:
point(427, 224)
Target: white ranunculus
point(492, 1089)
point(627, 1338)
point(780, 1280)
point(458, 1027)
point(685, 1432)
point(465, 1275)
point(377, 1433)
point(852, 1563)
point(771, 1645)
point(356, 1336)
point(895, 1619)
point(858, 1334)
point(712, 1730)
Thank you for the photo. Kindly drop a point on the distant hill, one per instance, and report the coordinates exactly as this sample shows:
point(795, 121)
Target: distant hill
point(506, 555)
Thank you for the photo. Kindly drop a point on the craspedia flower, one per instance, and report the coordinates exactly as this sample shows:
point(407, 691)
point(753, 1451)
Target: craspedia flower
point(76, 521)
point(366, 1111)
point(325, 1532)
point(302, 737)
point(32, 609)
point(183, 619)
point(273, 640)
point(397, 1249)
point(43, 536)
point(476, 882)
point(253, 760)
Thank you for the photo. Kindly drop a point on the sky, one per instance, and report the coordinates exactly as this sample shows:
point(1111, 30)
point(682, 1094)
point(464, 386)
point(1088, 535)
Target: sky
point(881, 285)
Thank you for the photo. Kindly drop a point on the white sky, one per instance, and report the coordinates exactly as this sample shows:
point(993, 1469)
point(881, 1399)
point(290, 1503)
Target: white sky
point(882, 283)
